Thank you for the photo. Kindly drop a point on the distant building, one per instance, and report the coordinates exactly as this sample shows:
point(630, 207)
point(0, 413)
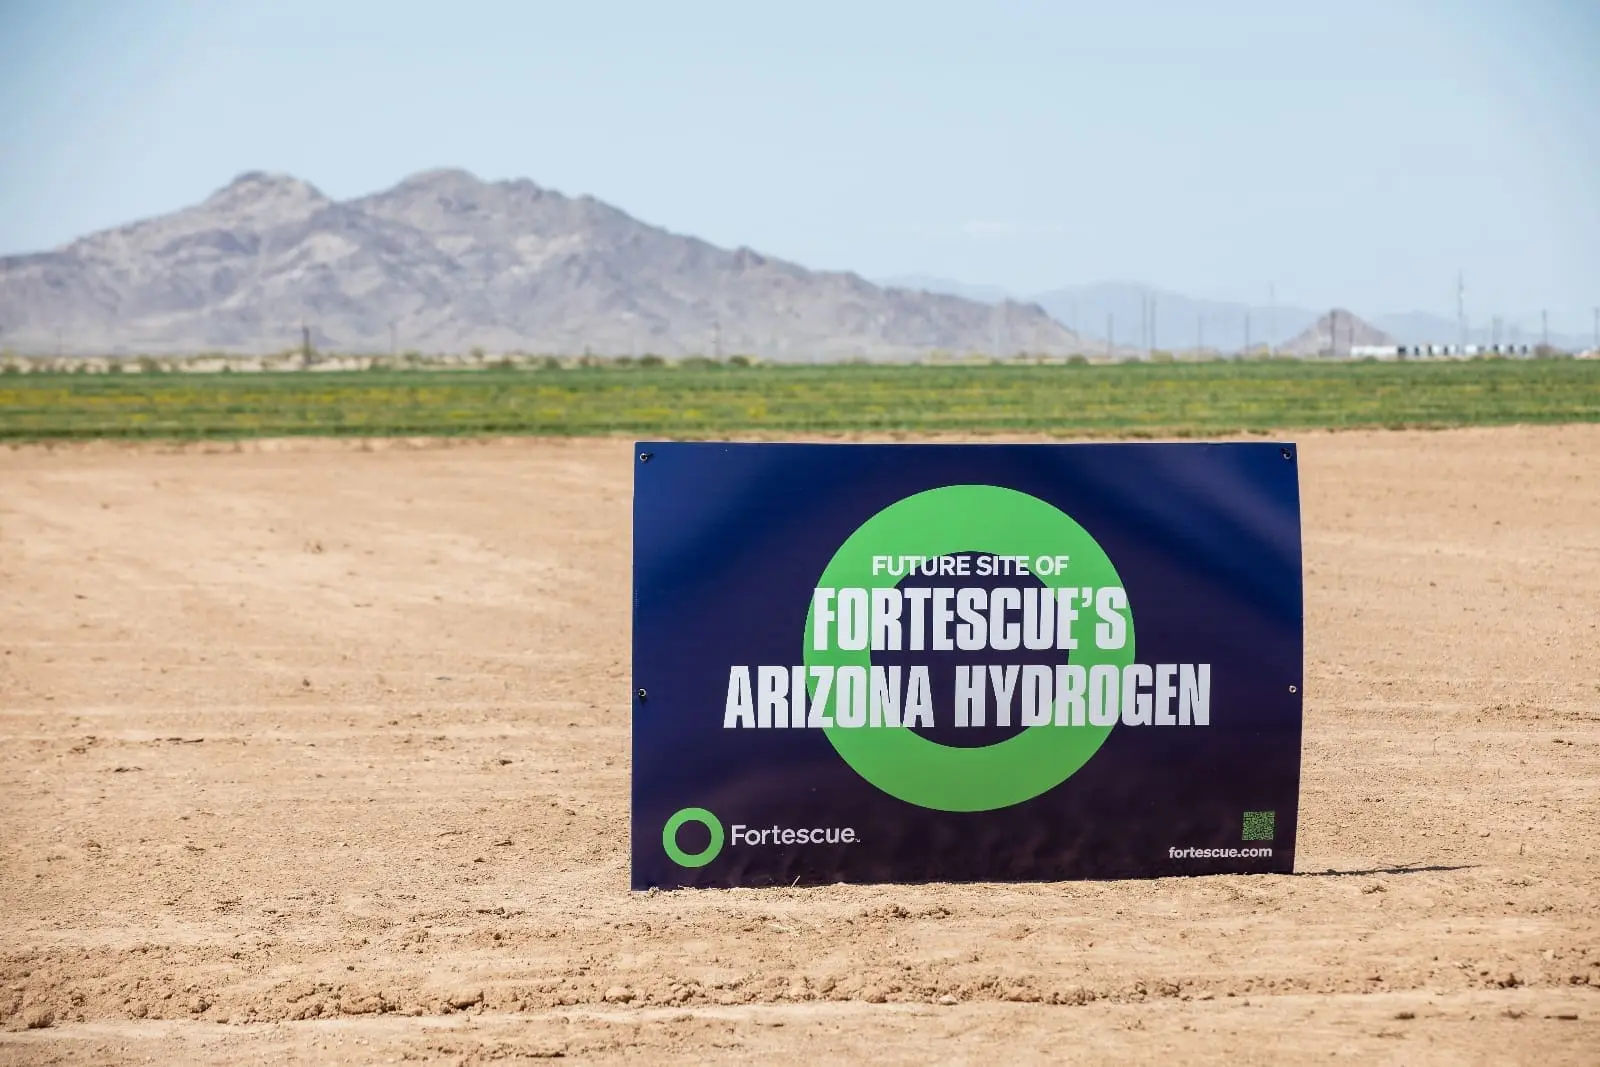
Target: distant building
point(1427, 351)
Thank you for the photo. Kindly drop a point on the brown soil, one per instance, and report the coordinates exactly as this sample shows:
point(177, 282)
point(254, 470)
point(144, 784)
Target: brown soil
point(338, 733)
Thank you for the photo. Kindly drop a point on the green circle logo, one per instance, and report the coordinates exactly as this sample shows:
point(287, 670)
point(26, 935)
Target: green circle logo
point(944, 522)
point(669, 837)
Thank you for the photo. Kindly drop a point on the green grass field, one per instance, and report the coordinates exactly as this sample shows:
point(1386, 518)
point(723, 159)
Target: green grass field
point(1160, 399)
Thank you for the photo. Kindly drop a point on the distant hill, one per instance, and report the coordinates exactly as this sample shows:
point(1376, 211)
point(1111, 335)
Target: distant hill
point(1182, 323)
point(444, 262)
point(1185, 322)
point(1421, 328)
point(1334, 334)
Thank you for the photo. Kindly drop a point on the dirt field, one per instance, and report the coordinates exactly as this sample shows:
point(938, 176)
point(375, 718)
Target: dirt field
point(318, 753)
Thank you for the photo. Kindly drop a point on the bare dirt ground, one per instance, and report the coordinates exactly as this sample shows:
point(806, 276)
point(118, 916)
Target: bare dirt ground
point(317, 752)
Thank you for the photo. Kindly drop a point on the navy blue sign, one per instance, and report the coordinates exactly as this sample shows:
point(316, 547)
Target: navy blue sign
point(906, 663)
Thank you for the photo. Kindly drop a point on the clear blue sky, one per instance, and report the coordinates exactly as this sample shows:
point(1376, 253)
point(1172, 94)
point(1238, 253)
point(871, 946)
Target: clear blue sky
point(1357, 152)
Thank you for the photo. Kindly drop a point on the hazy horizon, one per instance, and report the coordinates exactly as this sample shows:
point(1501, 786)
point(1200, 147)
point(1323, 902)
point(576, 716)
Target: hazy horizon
point(1357, 155)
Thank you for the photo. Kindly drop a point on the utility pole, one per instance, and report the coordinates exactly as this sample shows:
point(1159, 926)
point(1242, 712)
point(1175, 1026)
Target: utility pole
point(1247, 331)
point(1111, 329)
point(393, 340)
point(1544, 321)
point(1272, 319)
point(305, 341)
point(1461, 311)
point(716, 338)
point(1153, 343)
point(1597, 329)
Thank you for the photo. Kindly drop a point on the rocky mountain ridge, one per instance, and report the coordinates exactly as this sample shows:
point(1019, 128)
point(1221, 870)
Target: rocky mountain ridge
point(444, 262)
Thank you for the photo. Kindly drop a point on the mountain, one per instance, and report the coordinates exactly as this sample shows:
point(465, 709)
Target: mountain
point(1176, 322)
point(1334, 334)
point(444, 262)
point(1181, 323)
point(1421, 328)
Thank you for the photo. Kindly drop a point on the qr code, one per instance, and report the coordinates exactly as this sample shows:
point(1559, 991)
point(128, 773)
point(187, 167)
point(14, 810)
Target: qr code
point(1259, 825)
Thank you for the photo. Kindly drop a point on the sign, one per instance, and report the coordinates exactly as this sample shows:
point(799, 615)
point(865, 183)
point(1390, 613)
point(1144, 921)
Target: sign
point(910, 663)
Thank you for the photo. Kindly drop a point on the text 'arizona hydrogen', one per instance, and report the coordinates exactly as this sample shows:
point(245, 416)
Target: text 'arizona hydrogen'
point(968, 619)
